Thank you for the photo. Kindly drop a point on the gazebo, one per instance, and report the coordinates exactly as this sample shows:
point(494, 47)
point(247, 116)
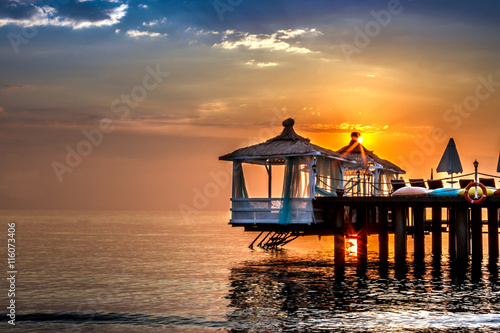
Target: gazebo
point(302, 162)
point(370, 174)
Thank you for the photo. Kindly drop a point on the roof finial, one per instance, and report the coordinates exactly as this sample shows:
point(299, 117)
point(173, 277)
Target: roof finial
point(289, 122)
point(288, 133)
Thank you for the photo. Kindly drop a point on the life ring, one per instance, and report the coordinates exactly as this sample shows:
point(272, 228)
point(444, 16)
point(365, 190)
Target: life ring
point(478, 201)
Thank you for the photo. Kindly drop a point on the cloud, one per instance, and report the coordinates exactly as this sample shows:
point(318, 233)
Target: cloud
point(261, 64)
point(346, 127)
point(15, 86)
point(212, 107)
point(290, 33)
point(204, 32)
point(154, 22)
point(17, 10)
point(74, 14)
point(281, 40)
point(138, 34)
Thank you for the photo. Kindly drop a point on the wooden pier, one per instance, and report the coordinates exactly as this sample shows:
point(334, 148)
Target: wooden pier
point(402, 216)
point(352, 193)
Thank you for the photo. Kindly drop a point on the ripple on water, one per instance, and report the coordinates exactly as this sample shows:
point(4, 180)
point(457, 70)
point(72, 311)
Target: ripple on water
point(297, 294)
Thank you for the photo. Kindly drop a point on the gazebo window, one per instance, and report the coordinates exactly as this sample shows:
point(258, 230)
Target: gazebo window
point(329, 176)
point(239, 185)
point(296, 186)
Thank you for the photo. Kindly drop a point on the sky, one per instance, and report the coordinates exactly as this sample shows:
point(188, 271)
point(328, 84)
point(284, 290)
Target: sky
point(128, 104)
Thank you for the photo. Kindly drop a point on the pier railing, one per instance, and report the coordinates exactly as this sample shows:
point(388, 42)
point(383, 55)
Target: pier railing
point(365, 187)
point(267, 210)
point(354, 187)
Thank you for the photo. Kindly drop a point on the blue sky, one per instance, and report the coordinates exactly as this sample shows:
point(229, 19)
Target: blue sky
point(233, 67)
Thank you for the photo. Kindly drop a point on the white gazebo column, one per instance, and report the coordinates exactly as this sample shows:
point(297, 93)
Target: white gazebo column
point(376, 181)
point(237, 183)
point(342, 170)
point(312, 177)
point(235, 168)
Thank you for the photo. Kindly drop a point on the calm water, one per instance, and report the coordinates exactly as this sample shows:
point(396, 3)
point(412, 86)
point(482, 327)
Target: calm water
point(155, 272)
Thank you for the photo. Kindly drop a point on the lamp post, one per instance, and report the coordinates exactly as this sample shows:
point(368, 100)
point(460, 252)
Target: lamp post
point(476, 163)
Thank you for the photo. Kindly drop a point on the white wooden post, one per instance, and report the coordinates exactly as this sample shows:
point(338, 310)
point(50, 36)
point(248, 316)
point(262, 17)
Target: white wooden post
point(235, 168)
point(376, 181)
point(313, 182)
point(342, 175)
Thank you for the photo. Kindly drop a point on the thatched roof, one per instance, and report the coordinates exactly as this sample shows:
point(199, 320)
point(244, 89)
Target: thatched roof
point(288, 143)
point(355, 150)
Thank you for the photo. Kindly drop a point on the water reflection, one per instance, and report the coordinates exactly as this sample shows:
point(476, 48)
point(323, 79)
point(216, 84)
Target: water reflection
point(289, 293)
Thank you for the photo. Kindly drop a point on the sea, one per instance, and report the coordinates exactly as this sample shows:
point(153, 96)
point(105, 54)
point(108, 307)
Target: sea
point(98, 271)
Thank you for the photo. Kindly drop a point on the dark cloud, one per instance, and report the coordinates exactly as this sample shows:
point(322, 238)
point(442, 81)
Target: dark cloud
point(253, 16)
point(91, 11)
point(17, 10)
point(15, 86)
point(265, 16)
point(53, 12)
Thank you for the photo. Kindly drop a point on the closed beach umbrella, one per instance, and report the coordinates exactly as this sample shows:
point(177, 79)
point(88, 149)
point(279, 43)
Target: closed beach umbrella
point(450, 162)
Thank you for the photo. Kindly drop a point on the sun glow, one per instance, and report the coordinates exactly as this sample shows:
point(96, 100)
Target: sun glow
point(351, 245)
point(360, 139)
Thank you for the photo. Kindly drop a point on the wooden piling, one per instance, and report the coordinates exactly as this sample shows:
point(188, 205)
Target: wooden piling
point(476, 233)
point(462, 239)
point(399, 221)
point(339, 241)
point(362, 253)
point(493, 270)
point(362, 240)
point(419, 235)
point(436, 231)
point(461, 227)
point(451, 233)
point(339, 253)
point(383, 235)
point(493, 233)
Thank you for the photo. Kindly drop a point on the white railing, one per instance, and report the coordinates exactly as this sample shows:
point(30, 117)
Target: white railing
point(267, 210)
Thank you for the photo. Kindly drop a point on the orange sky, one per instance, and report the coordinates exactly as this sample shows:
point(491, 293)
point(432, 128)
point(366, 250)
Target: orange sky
point(179, 90)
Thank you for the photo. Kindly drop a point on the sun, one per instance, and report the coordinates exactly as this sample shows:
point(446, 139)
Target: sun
point(360, 139)
point(351, 245)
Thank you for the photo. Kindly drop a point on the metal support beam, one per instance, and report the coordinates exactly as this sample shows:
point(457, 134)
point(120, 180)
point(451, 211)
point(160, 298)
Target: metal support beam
point(263, 239)
point(251, 245)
